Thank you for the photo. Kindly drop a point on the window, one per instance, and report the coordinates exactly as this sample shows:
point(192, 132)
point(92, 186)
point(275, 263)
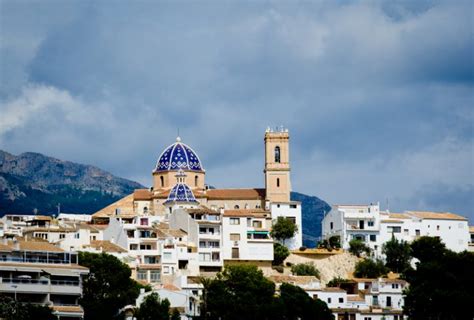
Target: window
point(196, 180)
point(341, 300)
point(373, 237)
point(331, 225)
point(389, 301)
point(278, 182)
point(141, 275)
point(235, 237)
point(145, 247)
point(277, 154)
point(236, 207)
point(203, 230)
point(133, 247)
point(162, 181)
point(292, 219)
point(417, 232)
point(370, 223)
point(93, 238)
point(144, 221)
point(293, 206)
point(145, 210)
point(329, 300)
point(76, 236)
point(257, 224)
point(204, 257)
point(437, 227)
point(154, 276)
point(167, 256)
point(394, 229)
point(405, 232)
point(234, 221)
point(62, 236)
point(394, 285)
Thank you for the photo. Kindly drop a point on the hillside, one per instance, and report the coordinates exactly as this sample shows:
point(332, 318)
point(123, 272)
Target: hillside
point(32, 180)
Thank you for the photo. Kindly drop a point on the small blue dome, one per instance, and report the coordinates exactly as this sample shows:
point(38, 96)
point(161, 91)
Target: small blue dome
point(181, 193)
point(178, 156)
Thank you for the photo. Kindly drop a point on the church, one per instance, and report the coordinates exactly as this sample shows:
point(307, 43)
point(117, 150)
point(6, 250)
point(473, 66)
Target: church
point(214, 226)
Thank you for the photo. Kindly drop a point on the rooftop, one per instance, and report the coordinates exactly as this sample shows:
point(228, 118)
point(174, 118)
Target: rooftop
point(106, 246)
point(436, 215)
point(256, 213)
point(238, 194)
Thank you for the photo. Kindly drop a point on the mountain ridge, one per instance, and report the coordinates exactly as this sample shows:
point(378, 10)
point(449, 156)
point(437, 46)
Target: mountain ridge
point(32, 180)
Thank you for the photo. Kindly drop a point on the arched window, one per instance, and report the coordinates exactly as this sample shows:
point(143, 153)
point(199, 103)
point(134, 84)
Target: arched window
point(162, 180)
point(196, 179)
point(277, 154)
point(145, 210)
point(278, 182)
point(236, 206)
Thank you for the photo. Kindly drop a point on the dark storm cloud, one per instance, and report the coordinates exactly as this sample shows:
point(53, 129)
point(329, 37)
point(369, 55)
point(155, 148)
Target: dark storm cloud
point(378, 97)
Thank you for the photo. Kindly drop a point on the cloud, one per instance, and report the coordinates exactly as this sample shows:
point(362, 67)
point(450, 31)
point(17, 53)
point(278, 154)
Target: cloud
point(377, 96)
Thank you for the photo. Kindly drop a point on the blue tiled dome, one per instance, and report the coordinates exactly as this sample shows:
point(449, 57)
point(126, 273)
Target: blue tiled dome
point(178, 156)
point(180, 193)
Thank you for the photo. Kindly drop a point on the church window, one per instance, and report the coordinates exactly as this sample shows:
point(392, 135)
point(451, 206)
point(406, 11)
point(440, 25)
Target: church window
point(278, 182)
point(196, 179)
point(162, 180)
point(236, 207)
point(277, 154)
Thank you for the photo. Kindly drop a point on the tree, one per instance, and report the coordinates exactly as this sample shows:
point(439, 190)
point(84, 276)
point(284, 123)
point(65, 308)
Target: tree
point(11, 309)
point(369, 268)
point(175, 315)
point(305, 269)
point(152, 308)
point(398, 255)
point(297, 304)
point(107, 287)
point(335, 242)
point(336, 282)
point(238, 292)
point(441, 285)
point(428, 248)
point(280, 253)
point(283, 229)
point(357, 246)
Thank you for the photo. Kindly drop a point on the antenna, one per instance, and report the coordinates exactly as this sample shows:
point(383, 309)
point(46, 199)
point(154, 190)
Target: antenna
point(388, 205)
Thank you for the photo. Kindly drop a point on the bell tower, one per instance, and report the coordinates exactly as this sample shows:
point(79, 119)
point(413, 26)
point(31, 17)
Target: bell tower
point(277, 165)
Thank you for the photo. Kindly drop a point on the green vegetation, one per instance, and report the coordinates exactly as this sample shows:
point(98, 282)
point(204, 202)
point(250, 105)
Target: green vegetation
point(14, 310)
point(280, 253)
point(336, 282)
point(441, 285)
point(305, 269)
point(153, 308)
point(283, 229)
point(369, 268)
point(108, 287)
point(398, 255)
point(335, 242)
point(357, 247)
point(242, 292)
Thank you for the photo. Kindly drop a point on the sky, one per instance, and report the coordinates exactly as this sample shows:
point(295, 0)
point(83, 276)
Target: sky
point(378, 96)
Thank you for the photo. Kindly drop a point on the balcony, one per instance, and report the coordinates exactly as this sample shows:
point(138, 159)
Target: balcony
point(40, 286)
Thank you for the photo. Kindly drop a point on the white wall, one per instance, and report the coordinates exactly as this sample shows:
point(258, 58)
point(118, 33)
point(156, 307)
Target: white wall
point(293, 210)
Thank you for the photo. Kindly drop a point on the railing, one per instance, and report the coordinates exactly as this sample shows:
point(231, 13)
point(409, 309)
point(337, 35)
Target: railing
point(41, 282)
point(35, 260)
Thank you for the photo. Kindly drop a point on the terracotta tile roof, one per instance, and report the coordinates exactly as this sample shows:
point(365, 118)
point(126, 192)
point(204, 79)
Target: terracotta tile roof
point(177, 233)
point(471, 229)
point(149, 266)
point(333, 289)
point(391, 221)
point(41, 218)
point(301, 280)
point(125, 205)
point(398, 216)
point(235, 194)
point(203, 210)
point(436, 215)
point(142, 194)
point(257, 213)
point(106, 246)
point(52, 229)
point(393, 281)
point(35, 246)
point(171, 287)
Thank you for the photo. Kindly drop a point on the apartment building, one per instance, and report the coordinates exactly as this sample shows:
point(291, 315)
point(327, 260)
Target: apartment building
point(38, 272)
point(369, 224)
point(246, 236)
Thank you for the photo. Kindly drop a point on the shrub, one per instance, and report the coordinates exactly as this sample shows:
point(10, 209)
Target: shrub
point(280, 253)
point(288, 264)
point(305, 269)
point(356, 247)
point(278, 268)
point(303, 248)
point(335, 282)
point(335, 242)
point(369, 268)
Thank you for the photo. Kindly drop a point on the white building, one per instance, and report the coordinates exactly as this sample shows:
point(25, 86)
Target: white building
point(367, 223)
